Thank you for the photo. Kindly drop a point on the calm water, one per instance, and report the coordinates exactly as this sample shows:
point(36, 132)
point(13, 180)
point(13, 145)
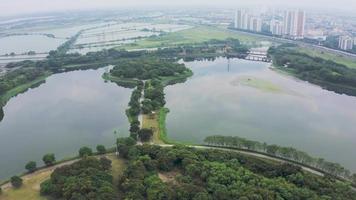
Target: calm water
point(25, 43)
point(69, 111)
point(217, 101)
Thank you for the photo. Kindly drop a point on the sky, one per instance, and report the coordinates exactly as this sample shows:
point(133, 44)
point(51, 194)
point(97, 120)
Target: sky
point(18, 7)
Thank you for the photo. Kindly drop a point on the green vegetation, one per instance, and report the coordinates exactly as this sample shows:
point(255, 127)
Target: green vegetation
point(180, 172)
point(101, 149)
point(49, 159)
point(85, 151)
point(190, 36)
point(145, 135)
point(326, 73)
point(18, 81)
point(88, 178)
point(289, 153)
point(258, 84)
point(163, 136)
point(31, 166)
point(349, 62)
point(146, 68)
point(16, 181)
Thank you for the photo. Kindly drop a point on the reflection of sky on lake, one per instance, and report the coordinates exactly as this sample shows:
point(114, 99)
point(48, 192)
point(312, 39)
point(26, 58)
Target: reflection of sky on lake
point(303, 115)
point(69, 111)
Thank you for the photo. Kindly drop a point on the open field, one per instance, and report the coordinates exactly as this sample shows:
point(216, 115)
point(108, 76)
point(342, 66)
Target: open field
point(150, 121)
point(31, 182)
point(189, 36)
point(349, 62)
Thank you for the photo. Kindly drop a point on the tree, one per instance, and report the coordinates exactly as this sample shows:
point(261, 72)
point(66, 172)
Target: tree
point(31, 166)
point(49, 159)
point(16, 181)
point(145, 134)
point(85, 151)
point(101, 149)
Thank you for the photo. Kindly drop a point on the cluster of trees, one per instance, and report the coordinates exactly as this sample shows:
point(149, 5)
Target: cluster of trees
point(326, 73)
point(48, 159)
point(154, 96)
point(146, 68)
point(88, 178)
point(213, 174)
point(279, 151)
point(17, 77)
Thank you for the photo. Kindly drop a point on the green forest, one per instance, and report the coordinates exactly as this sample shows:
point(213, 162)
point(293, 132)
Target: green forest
point(180, 172)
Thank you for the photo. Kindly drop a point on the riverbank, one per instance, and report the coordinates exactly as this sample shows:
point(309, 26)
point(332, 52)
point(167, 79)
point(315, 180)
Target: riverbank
point(22, 88)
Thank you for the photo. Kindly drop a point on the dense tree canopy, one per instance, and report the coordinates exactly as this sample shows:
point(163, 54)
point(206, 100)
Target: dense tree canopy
point(213, 174)
point(85, 179)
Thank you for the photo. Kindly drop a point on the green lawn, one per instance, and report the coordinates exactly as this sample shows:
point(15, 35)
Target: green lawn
point(189, 36)
point(349, 62)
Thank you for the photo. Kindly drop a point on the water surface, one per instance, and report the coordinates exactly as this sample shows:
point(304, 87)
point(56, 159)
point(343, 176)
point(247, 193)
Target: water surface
point(70, 110)
point(248, 99)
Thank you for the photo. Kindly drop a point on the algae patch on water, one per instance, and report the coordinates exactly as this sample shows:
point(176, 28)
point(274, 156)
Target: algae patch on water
point(257, 83)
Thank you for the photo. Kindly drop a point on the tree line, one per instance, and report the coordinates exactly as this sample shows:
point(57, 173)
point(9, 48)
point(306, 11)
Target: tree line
point(326, 73)
point(279, 151)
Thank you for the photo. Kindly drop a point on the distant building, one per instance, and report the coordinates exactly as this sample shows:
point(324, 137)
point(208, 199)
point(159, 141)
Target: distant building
point(245, 21)
point(316, 34)
point(276, 27)
point(346, 43)
point(255, 24)
point(294, 24)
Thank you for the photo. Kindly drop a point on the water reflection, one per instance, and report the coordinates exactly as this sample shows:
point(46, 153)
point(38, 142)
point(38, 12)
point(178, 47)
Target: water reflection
point(71, 110)
point(248, 99)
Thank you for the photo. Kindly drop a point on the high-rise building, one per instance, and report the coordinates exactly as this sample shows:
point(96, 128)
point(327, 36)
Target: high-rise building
point(244, 21)
point(276, 27)
point(294, 23)
point(241, 20)
point(255, 24)
point(346, 43)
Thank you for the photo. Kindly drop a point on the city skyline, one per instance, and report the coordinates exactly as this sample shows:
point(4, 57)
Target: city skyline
point(14, 7)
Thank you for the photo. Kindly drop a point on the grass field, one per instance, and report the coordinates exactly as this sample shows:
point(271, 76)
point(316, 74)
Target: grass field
point(189, 36)
point(349, 62)
point(150, 121)
point(31, 182)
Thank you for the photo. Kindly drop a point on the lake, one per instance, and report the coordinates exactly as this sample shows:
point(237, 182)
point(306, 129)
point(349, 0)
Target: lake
point(70, 110)
point(247, 99)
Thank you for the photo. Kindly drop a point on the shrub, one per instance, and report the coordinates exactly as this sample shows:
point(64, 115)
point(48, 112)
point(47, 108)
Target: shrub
point(16, 181)
point(31, 166)
point(85, 151)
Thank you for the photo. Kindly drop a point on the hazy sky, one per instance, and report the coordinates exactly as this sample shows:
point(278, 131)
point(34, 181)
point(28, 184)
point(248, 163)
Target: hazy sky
point(11, 7)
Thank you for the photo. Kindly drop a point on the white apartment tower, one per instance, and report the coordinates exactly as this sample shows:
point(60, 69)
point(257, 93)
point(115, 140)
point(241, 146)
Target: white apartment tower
point(244, 21)
point(255, 24)
point(346, 43)
point(294, 24)
point(241, 20)
point(276, 27)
